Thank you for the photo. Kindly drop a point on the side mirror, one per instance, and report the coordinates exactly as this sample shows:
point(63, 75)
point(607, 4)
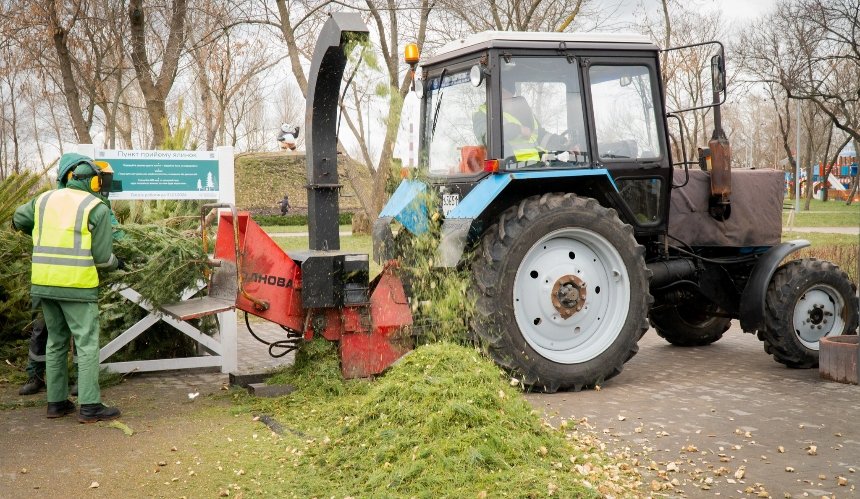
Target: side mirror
point(476, 75)
point(718, 74)
point(418, 88)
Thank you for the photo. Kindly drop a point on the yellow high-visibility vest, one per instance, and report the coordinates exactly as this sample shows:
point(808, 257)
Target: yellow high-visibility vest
point(62, 242)
point(524, 148)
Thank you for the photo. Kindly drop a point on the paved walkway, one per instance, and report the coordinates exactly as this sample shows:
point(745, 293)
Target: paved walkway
point(724, 420)
point(824, 230)
point(253, 356)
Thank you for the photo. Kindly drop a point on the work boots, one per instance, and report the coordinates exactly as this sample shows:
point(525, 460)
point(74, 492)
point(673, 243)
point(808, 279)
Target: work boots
point(32, 386)
point(60, 409)
point(90, 413)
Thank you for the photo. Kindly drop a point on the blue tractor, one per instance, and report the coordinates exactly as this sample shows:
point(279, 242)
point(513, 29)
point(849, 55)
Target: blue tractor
point(550, 156)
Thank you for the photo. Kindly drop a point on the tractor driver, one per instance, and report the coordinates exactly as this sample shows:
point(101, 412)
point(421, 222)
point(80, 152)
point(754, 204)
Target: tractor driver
point(520, 128)
point(526, 140)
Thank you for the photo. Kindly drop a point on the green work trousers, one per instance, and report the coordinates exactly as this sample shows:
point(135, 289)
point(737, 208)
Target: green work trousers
point(81, 320)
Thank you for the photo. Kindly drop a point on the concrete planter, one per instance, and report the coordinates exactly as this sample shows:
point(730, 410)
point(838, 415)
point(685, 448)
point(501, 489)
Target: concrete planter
point(839, 359)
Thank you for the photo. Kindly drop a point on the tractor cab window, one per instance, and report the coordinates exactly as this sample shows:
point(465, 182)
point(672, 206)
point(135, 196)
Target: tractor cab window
point(455, 125)
point(624, 116)
point(542, 120)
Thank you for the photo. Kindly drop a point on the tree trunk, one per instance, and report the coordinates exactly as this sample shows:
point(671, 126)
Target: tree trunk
point(155, 92)
point(205, 88)
point(36, 135)
point(855, 181)
point(288, 30)
point(124, 125)
point(70, 87)
point(16, 150)
point(810, 164)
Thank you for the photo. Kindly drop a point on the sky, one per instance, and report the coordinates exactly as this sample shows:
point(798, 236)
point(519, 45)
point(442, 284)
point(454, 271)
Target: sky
point(732, 10)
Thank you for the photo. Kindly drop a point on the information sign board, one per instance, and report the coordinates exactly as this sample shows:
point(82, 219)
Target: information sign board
point(163, 174)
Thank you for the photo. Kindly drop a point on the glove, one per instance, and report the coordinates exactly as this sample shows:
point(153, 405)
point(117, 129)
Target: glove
point(120, 265)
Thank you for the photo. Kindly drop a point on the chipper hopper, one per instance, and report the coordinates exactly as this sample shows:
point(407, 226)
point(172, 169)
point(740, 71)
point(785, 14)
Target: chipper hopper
point(324, 291)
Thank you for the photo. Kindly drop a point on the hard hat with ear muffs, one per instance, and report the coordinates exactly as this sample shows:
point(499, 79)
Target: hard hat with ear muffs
point(99, 173)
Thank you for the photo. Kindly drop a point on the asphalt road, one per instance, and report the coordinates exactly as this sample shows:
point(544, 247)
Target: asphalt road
point(724, 420)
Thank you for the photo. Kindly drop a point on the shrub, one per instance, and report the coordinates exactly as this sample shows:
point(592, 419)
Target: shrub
point(295, 220)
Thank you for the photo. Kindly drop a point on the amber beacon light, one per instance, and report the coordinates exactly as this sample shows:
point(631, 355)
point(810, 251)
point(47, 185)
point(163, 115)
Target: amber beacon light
point(411, 54)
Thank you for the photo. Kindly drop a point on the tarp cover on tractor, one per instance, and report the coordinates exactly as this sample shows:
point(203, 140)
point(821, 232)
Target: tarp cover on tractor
point(756, 218)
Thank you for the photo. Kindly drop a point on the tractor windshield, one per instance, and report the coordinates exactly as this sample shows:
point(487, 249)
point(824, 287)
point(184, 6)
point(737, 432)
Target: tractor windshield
point(542, 119)
point(455, 125)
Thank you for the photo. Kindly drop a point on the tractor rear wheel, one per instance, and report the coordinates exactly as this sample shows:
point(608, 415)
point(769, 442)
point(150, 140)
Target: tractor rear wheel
point(689, 324)
point(562, 292)
point(807, 300)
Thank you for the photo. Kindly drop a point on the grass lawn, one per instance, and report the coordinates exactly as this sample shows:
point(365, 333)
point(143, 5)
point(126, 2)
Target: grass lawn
point(822, 239)
point(357, 244)
point(824, 214)
point(272, 229)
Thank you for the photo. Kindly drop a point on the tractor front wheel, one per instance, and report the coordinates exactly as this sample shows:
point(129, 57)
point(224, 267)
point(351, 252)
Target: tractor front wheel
point(562, 292)
point(807, 300)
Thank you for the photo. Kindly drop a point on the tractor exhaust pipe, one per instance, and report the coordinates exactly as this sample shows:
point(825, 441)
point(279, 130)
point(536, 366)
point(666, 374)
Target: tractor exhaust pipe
point(719, 150)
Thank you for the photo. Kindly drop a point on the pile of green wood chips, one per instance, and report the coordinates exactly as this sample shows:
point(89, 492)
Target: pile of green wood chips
point(444, 421)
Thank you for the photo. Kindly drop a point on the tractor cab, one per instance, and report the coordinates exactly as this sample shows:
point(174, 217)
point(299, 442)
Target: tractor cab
point(502, 101)
point(582, 111)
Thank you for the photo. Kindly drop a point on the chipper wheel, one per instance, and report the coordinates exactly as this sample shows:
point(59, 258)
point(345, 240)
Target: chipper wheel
point(807, 300)
point(689, 324)
point(562, 292)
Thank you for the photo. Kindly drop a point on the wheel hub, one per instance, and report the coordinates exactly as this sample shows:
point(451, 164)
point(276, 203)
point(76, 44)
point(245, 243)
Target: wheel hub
point(815, 315)
point(571, 295)
point(568, 295)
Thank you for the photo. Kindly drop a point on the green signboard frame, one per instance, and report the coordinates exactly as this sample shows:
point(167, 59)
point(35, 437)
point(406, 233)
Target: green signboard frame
point(164, 174)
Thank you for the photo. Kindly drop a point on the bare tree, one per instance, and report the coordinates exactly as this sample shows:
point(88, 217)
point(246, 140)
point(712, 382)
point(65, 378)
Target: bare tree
point(156, 87)
point(388, 19)
point(469, 16)
point(686, 72)
point(227, 59)
point(809, 50)
point(10, 81)
point(823, 63)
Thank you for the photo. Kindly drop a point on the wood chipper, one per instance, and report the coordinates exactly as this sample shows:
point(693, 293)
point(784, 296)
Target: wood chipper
point(324, 291)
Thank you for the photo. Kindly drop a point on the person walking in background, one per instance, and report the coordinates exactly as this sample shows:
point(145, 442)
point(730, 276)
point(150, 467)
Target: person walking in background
point(285, 205)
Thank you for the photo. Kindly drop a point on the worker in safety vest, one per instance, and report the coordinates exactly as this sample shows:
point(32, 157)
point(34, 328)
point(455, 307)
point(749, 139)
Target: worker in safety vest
point(520, 128)
point(523, 138)
point(72, 240)
point(39, 333)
